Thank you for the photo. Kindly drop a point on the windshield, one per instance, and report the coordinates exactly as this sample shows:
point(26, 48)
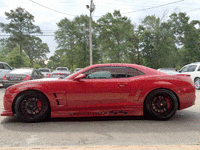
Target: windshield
point(62, 68)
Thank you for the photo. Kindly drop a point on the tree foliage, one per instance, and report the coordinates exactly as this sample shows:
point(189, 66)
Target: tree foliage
point(21, 28)
point(115, 37)
point(154, 42)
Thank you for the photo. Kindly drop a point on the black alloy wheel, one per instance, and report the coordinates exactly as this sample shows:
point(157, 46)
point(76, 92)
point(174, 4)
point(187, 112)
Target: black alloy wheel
point(31, 106)
point(161, 104)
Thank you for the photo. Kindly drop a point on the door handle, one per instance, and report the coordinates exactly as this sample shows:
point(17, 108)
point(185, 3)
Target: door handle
point(122, 84)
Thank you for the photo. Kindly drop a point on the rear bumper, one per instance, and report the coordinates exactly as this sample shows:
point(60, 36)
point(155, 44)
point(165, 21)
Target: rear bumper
point(7, 83)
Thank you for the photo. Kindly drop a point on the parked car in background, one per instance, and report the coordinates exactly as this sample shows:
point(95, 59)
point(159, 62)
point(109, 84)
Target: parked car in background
point(20, 75)
point(4, 69)
point(44, 71)
point(170, 71)
point(193, 70)
point(77, 69)
point(59, 74)
point(101, 90)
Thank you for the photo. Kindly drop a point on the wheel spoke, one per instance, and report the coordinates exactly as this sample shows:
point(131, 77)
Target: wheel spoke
point(31, 106)
point(161, 105)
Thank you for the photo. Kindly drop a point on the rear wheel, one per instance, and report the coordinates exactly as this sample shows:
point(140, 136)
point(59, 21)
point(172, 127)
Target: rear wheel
point(196, 83)
point(31, 106)
point(161, 104)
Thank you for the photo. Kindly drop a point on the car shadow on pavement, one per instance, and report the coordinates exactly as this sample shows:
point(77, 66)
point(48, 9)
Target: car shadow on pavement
point(184, 120)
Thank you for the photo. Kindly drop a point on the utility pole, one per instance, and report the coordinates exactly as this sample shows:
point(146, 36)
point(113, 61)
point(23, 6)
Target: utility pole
point(91, 9)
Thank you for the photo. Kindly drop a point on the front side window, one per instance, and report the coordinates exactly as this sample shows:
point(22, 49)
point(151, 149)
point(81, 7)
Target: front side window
point(108, 72)
point(190, 68)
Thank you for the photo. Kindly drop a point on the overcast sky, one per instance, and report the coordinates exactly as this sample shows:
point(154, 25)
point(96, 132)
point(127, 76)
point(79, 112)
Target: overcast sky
point(49, 12)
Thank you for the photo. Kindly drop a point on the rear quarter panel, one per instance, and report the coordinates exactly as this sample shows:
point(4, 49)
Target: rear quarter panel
point(141, 86)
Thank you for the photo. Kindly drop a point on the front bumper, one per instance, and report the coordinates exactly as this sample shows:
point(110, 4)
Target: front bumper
point(7, 113)
point(7, 102)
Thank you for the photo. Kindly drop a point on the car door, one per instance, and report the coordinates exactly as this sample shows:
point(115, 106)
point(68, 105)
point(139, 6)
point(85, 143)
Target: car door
point(98, 91)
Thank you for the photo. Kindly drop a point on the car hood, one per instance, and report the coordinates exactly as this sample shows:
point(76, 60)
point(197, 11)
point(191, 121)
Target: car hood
point(46, 79)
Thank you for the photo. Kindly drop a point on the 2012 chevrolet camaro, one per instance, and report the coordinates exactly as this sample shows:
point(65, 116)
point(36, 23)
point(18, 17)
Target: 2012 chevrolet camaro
point(101, 90)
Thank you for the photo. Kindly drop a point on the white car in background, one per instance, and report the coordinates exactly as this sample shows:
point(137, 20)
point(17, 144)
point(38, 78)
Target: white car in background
point(60, 72)
point(193, 70)
point(44, 71)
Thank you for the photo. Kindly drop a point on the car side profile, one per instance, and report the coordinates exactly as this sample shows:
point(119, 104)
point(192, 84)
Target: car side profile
point(101, 90)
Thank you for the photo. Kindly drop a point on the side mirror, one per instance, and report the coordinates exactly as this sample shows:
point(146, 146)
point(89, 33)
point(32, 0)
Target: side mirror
point(79, 77)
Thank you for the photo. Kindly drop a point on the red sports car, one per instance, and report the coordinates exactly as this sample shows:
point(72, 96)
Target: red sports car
point(101, 90)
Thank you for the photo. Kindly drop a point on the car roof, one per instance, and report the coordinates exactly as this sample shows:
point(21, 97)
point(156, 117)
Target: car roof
point(194, 63)
point(144, 69)
point(21, 71)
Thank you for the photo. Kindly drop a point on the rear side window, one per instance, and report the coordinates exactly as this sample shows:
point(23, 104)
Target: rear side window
point(1, 66)
point(4, 66)
point(112, 72)
point(198, 69)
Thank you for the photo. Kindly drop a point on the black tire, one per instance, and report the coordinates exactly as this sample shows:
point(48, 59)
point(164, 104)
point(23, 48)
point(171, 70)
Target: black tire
point(4, 86)
point(161, 104)
point(31, 106)
point(196, 83)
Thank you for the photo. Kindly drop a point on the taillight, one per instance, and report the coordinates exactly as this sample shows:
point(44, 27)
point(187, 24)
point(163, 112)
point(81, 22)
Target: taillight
point(4, 78)
point(48, 75)
point(27, 77)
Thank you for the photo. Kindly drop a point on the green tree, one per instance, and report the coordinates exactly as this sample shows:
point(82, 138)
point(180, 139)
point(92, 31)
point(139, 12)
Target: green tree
point(36, 50)
point(73, 41)
point(187, 37)
point(115, 37)
point(157, 43)
point(20, 28)
point(16, 60)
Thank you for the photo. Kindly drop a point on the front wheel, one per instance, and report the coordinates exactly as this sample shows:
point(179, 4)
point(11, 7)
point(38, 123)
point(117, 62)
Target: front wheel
point(31, 106)
point(161, 104)
point(196, 83)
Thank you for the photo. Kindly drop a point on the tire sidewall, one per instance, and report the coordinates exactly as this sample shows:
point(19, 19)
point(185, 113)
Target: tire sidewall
point(197, 79)
point(45, 107)
point(150, 112)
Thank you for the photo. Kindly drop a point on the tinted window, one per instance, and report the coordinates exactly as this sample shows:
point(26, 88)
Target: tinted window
point(44, 70)
point(112, 72)
point(62, 68)
point(190, 68)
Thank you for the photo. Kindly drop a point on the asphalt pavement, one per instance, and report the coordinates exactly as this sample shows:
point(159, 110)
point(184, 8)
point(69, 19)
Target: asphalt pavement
point(111, 147)
point(115, 147)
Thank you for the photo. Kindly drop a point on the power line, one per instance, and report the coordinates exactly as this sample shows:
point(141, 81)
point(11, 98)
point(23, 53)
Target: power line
point(193, 10)
point(32, 35)
point(51, 9)
point(153, 7)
